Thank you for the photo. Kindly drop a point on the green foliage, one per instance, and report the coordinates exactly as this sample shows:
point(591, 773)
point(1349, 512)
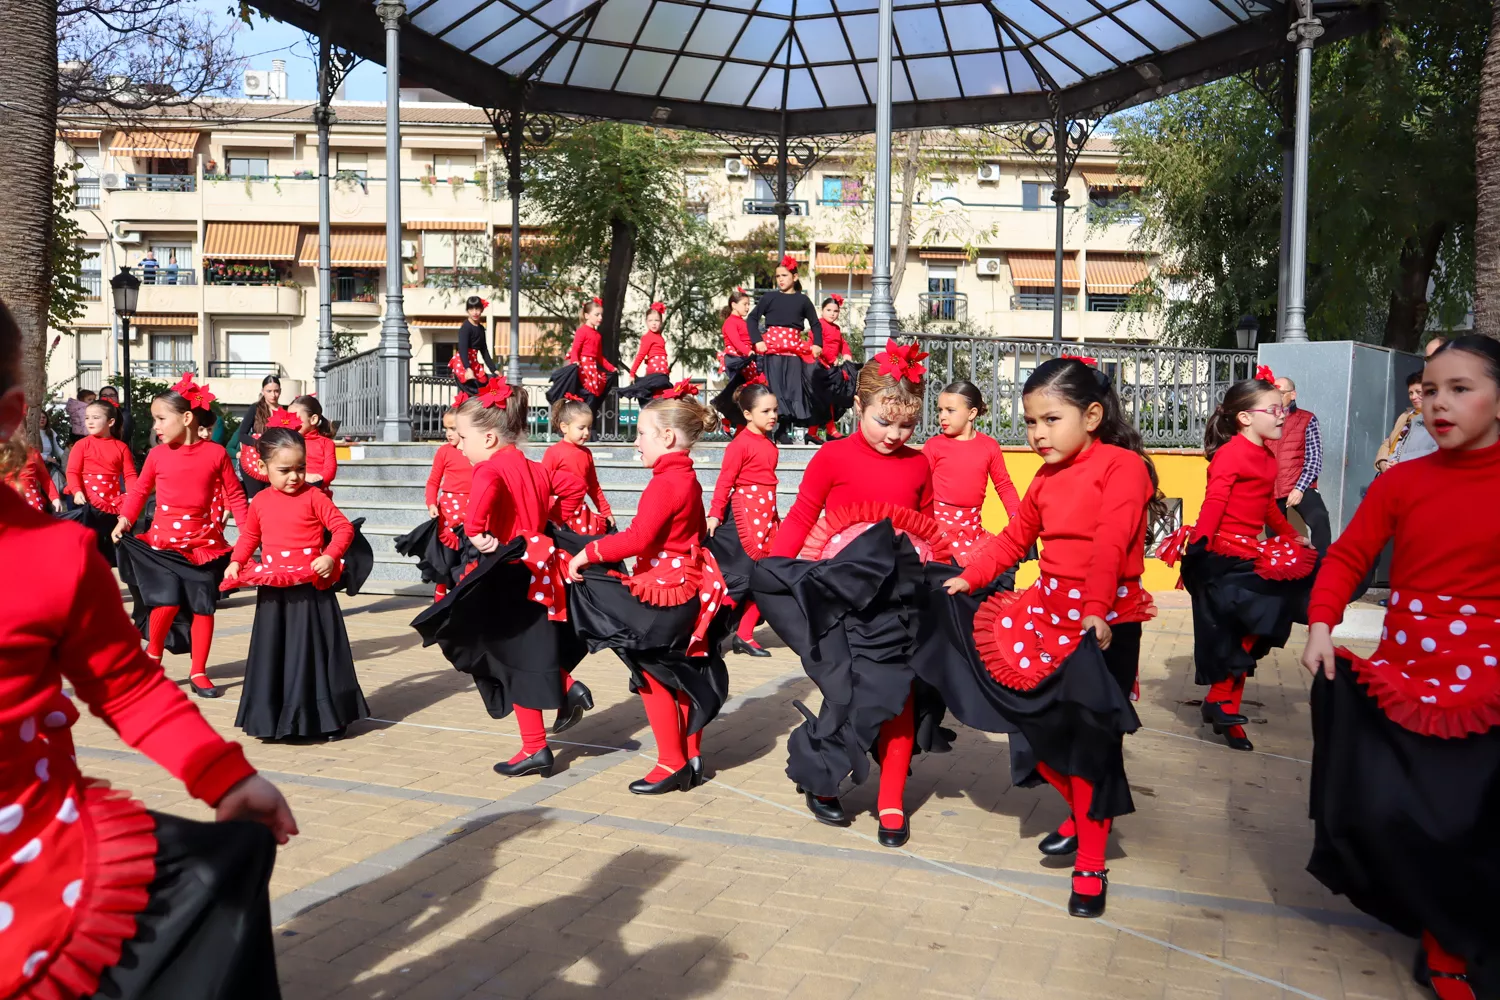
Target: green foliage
point(65, 254)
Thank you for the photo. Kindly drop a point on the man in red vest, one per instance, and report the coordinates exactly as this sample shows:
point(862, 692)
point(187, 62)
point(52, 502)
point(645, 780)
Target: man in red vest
point(1299, 459)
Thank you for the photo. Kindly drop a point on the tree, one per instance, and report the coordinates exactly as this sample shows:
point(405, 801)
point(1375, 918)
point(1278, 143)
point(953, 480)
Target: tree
point(1487, 171)
point(128, 56)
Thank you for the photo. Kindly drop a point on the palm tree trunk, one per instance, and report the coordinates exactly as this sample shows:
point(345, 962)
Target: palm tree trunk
point(1487, 184)
point(28, 79)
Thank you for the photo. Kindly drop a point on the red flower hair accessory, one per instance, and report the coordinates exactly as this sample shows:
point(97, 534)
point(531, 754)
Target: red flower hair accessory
point(572, 397)
point(790, 263)
point(284, 418)
point(598, 301)
point(836, 297)
point(759, 378)
point(1091, 362)
point(681, 390)
point(903, 361)
point(484, 303)
point(1263, 373)
point(738, 290)
point(460, 399)
point(198, 397)
point(494, 392)
point(660, 308)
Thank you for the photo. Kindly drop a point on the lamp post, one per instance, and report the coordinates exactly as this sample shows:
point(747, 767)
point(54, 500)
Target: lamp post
point(126, 290)
point(1245, 332)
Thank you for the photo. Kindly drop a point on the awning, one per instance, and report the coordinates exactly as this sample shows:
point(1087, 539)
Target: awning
point(79, 134)
point(1111, 274)
point(531, 239)
point(843, 263)
point(435, 322)
point(446, 225)
point(959, 255)
point(167, 145)
point(1110, 180)
point(158, 320)
point(349, 246)
point(252, 241)
point(1037, 268)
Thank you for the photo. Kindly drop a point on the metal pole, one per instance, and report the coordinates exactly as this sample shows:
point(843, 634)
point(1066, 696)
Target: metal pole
point(1288, 165)
point(1305, 33)
point(515, 184)
point(127, 425)
point(880, 320)
point(395, 342)
point(781, 192)
point(323, 115)
point(1059, 198)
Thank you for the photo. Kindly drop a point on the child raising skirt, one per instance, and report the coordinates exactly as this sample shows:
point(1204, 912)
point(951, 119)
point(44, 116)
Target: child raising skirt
point(437, 544)
point(653, 354)
point(586, 374)
point(742, 517)
point(737, 358)
point(96, 464)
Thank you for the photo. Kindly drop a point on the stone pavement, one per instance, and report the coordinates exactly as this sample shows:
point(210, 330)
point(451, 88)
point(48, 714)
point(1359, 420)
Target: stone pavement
point(422, 874)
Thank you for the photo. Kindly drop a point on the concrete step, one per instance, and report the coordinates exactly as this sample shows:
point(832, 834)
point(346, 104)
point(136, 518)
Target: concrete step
point(383, 491)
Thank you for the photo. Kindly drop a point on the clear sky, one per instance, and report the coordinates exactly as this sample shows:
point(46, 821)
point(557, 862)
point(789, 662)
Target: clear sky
point(265, 40)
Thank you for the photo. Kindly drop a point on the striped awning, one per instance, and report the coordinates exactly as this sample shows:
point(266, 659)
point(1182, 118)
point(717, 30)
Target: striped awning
point(956, 255)
point(252, 241)
point(843, 263)
point(1114, 274)
point(157, 321)
point(80, 134)
point(435, 322)
point(1036, 269)
point(168, 145)
point(445, 225)
point(349, 246)
point(1111, 180)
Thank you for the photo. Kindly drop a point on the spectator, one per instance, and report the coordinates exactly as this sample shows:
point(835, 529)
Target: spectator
point(169, 273)
point(148, 268)
point(110, 393)
point(1384, 457)
point(1430, 348)
point(54, 457)
point(1299, 460)
point(77, 409)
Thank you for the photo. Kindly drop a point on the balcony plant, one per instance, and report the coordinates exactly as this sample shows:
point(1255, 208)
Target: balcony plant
point(427, 181)
point(304, 175)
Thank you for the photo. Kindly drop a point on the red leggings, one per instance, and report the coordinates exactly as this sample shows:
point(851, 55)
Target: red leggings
point(1439, 960)
point(533, 729)
point(1228, 693)
point(667, 711)
point(749, 621)
point(893, 750)
point(1093, 834)
point(203, 637)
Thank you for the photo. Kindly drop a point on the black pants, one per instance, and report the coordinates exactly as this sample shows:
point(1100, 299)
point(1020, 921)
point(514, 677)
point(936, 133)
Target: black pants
point(1315, 516)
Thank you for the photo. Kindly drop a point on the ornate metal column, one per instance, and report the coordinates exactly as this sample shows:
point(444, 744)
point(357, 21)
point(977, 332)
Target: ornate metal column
point(333, 66)
point(1305, 32)
point(880, 320)
point(395, 341)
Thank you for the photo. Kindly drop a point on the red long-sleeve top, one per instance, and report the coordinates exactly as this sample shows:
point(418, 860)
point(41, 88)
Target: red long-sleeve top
point(188, 475)
point(850, 471)
point(736, 336)
point(669, 518)
point(749, 459)
point(451, 473)
point(292, 521)
point(1241, 494)
point(653, 354)
point(1434, 552)
point(33, 473)
point(510, 496)
point(960, 470)
point(578, 460)
point(588, 344)
point(1090, 514)
point(322, 458)
point(833, 342)
point(99, 456)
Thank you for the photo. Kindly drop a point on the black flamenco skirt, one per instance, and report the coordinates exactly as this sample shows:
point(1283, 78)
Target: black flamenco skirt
point(299, 675)
point(723, 401)
point(567, 382)
point(101, 523)
point(436, 561)
point(161, 578)
point(359, 561)
point(1232, 601)
point(487, 627)
point(735, 564)
point(854, 620)
point(792, 380)
point(252, 486)
point(840, 381)
point(1405, 824)
point(205, 931)
point(644, 388)
point(1074, 721)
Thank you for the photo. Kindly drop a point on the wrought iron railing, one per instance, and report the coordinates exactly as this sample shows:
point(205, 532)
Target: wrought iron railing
point(92, 283)
point(161, 368)
point(161, 182)
point(242, 369)
point(767, 206)
point(353, 396)
point(87, 193)
point(165, 274)
point(944, 306)
point(90, 376)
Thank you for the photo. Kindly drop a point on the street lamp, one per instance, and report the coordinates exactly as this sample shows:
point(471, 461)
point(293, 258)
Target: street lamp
point(1245, 332)
point(126, 289)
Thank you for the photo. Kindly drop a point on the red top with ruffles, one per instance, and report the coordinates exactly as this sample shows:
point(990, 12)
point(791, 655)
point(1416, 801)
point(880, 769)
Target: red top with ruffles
point(509, 498)
point(70, 890)
point(669, 517)
point(32, 481)
point(749, 459)
point(960, 470)
point(322, 458)
point(653, 354)
point(850, 471)
point(833, 343)
point(1435, 670)
point(95, 465)
point(1090, 515)
point(736, 336)
point(184, 477)
point(451, 473)
point(587, 343)
point(578, 460)
point(1241, 495)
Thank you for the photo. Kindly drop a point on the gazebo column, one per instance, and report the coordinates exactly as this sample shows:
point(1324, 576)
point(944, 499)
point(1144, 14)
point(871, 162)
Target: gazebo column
point(515, 184)
point(323, 116)
point(1305, 32)
point(395, 341)
point(880, 320)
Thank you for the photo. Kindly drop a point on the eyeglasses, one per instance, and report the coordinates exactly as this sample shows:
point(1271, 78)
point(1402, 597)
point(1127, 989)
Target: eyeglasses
point(1275, 411)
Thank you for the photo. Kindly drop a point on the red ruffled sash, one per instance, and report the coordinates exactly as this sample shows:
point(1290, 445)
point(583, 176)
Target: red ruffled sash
point(1281, 558)
point(102, 492)
point(585, 520)
point(789, 342)
point(250, 463)
point(196, 535)
point(965, 526)
point(1436, 670)
point(549, 575)
point(1024, 636)
point(452, 509)
point(756, 518)
point(672, 578)
point(284, 568)
point(839, 527)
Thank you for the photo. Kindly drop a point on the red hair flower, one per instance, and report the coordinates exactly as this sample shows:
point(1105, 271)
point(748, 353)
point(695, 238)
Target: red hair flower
point(836, 297)
point(598, 301)
point(903, 361)
point(494, 392)
point(738, 290)
point(198, 397)
point(790, 263)
point(460, 399)
point(1091, 362)
point(1263, 373)
point(284, 418)
point(660, 308)
point(484, 303)
point(759, 378)
point(681, 390)
point(572, 397)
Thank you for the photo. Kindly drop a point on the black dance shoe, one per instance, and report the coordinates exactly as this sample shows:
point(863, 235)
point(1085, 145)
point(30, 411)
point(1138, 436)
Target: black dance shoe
point(1080, 905)
point(897, 837)
point(829, 811)
point(1055, 845)
point(579, 699)
point(1215, 714)
point(748, 648)
point(538, 763)
point(1240, 742)
point(677, 781)
point(205, 692)
point(695, 764)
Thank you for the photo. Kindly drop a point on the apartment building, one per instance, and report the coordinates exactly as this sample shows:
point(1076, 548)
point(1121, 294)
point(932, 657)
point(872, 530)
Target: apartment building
point(215, 209)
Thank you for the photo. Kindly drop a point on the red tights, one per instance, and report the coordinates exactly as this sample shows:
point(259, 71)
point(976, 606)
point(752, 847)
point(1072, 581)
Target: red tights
point(533, 729)
point(1228, 693)
point(1093, 834)
point(667, 711)
point(748, 623)
point(203, 640)
point(439, 591)
point(1439, 960)
point(893, 749)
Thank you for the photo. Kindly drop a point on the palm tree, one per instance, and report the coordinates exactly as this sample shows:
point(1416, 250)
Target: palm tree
point(1487, 178)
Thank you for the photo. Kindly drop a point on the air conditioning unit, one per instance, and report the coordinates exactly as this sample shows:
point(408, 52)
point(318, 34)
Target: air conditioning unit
point(735, 167)
point(988, 266)
point(127, 238)
point(256, 83)
point(989, 173)
point(408, 249)
point(112, 182)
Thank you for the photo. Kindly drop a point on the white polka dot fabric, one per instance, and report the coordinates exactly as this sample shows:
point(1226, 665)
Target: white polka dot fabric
point(756, 518)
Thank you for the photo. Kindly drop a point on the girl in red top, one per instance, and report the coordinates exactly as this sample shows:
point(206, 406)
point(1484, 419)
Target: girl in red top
point(1406, 741)
point(299, 674)
point(667, 619)
point(736, 360)
point(587, 373)
point(322, 454)
point(127, 900)
point(34, 483)
point(835, 380)
point(175, 568)
point(570, 456)
point(506, 620)
point(1246, 592)
point(437, 545)
point(653, 354)
point(964, 461)
point(846, 593)
point(96, 463)
point(743, 530)
point(1057, 661)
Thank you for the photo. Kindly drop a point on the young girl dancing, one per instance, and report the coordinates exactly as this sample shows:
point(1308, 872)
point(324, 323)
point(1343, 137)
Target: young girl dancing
point(437, 544)
point(322, 454)
point(570, 456)
point(665, 620)
point(96, 464)
point(847, 594)
point(785, 351)
point(100, 896)
point(964, 461)
point(653, 354)
point(175, 568)
point(1246, 592)
point(1057, 661)
point(1406, 747)
point(836, 376)
point(587, 373)
point(743, 528)
point(299, 675)
point(737, 358)
point(520, 659)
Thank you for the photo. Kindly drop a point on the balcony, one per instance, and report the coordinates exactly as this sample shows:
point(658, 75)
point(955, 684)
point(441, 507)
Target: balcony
point(92, 283)
point(165, 274)
point(353, 200)
point(1041, 301)
point(260, 299)
point(87, 193)
point(161, 182)
point(950, 307)
point(767, 206)
point(161, 369)
point(243, 369)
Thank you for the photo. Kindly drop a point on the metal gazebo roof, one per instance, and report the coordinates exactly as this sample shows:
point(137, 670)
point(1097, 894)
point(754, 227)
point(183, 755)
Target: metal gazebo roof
point(809, 65)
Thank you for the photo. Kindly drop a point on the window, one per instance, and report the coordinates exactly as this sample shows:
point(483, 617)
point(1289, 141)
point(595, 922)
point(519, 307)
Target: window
point(172, 347)
point(697, 191)
point(448, 257)
point(354, 284)
point(249, 347)
point(943, 187)
point(1040, 299)
point(447, 165)
point(839, 191)
point(1108, 303)
point(437, 249)
point(353, 165)
point(252, 167)
point(1031, 195)
point(90, 348)
point(89, 271)
point(1115, 206)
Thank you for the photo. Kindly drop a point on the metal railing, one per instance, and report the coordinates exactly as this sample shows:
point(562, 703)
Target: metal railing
point(165, 274)
point(161, 368)
point(1041, 301)
point(90, 376)
point(951, 306)
point(353, 394)
point(161, 182)
point(92, 282)
point(767, 206)
point(87, 193)
point(242, 369)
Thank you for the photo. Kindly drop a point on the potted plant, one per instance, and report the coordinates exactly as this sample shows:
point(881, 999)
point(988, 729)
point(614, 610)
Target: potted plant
point(304, 175)
point(456, 181)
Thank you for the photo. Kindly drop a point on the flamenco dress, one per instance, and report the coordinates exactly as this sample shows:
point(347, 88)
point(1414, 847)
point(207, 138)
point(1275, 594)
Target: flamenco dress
point(789, 361)
point(961, 470)
point(34, 484)
point(586, 374)
point(834, 380)
point(744, 502)
point(564, 458)
point(95, 467)
point(653, 354)
point(437, 544)
point(737, 364)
